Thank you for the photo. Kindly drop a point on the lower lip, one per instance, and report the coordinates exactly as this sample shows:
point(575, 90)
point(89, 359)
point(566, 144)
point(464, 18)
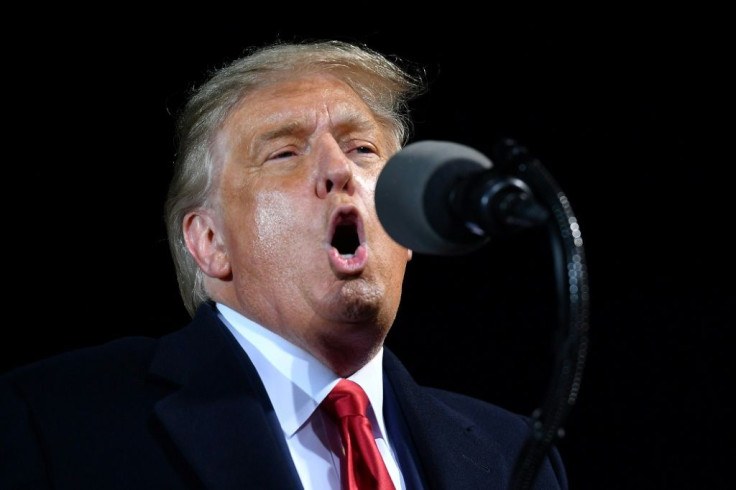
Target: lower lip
point(349, 265)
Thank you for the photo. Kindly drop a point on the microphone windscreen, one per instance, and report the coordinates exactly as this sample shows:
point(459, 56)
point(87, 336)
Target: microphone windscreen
point(413, 196)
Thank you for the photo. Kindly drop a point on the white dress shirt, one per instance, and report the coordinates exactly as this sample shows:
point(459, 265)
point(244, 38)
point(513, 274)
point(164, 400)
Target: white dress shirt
point(297, 383)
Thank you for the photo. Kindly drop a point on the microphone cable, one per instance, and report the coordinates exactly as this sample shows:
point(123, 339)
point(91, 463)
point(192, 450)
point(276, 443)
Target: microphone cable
point(571, 280)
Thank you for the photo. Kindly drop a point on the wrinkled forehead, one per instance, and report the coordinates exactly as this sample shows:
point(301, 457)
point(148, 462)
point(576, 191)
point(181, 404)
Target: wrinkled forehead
point(299, 105)
point(295, 97)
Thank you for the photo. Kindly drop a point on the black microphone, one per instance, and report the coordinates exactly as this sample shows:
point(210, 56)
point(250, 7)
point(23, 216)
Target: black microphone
point(444, 198)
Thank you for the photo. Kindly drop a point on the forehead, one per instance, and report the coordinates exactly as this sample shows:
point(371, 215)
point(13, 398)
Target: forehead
point(303, 101)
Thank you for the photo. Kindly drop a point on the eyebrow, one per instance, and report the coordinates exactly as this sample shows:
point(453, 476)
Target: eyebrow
point(286, 129)
point(358, 122)
point(354, 122)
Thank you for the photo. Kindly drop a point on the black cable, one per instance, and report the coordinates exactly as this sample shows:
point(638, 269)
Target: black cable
point(573, 314)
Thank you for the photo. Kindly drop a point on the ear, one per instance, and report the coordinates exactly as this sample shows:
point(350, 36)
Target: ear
point(205, 244)
point(409, 254)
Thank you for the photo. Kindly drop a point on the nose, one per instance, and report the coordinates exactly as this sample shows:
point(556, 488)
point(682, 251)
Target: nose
point(335, 169)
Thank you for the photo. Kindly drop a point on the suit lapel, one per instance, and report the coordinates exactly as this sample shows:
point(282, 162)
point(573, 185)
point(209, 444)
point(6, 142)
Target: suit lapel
point(220, 417)
point(450, 454)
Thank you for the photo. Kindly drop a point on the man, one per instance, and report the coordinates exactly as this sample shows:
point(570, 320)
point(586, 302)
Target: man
point(293, 285)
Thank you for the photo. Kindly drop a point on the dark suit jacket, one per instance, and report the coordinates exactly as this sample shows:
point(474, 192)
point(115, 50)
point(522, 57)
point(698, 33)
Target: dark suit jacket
point(189, 411)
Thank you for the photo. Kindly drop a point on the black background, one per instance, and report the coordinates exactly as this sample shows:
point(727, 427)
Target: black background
point(630, 113)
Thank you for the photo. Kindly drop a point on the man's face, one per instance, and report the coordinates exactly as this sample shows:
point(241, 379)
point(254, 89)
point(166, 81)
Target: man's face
point(308, 257)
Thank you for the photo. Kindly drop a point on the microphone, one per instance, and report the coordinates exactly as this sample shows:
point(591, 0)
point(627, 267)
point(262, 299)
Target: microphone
point(444, 198)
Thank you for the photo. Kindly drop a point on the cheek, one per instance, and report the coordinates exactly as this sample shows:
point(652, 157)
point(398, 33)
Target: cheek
point(272, 216)
point(256, 222)
point(368, 178)
point(275, 225)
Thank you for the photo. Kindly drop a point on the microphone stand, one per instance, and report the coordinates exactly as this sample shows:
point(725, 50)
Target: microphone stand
point(573, 299)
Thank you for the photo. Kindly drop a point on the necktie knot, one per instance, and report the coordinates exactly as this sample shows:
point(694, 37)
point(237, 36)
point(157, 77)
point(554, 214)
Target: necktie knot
point(362, 465)
point(346, 398)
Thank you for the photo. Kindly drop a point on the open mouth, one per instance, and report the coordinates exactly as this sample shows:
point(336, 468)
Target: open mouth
point(348, 253)
point(345, 237)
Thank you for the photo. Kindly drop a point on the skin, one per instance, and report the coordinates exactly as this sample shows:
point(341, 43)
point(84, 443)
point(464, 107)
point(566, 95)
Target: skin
point(293, 157)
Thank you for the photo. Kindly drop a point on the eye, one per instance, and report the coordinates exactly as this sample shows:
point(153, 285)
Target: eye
point(362, 152)
point(282, 154)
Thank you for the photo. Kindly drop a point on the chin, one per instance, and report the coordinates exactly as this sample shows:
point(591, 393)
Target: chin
point(360, 302)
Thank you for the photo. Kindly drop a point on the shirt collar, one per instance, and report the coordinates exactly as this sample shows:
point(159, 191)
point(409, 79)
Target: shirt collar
point(296, 382)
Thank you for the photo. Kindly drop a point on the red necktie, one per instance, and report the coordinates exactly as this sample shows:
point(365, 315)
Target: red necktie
point(362, 465)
